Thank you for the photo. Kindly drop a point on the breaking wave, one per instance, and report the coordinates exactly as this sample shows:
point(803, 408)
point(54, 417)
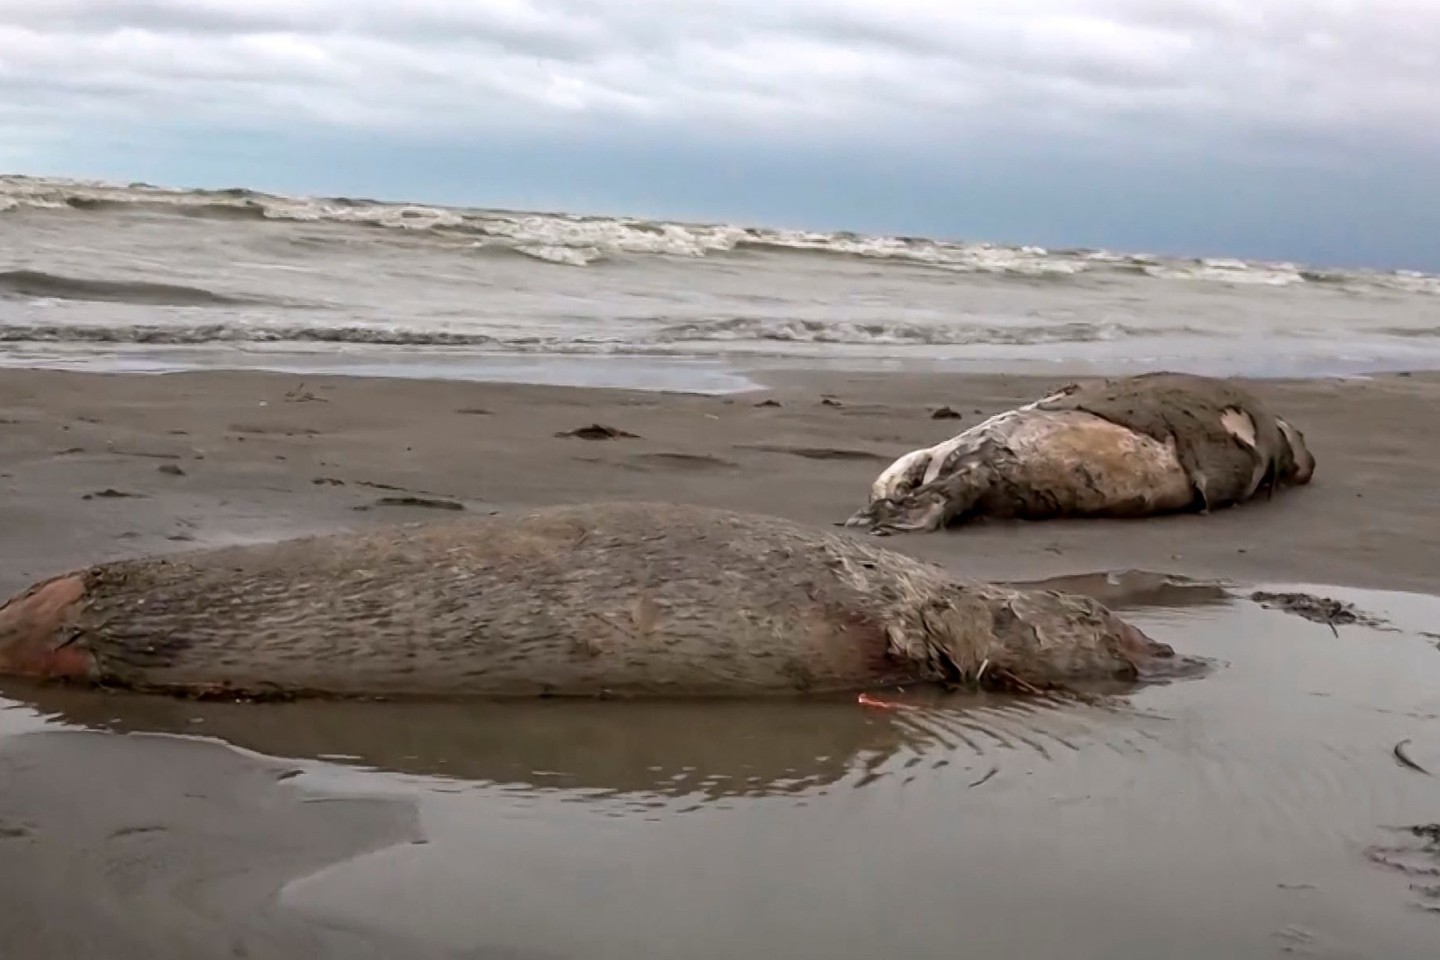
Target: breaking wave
point(109, 272)
point(1410, 332)
point(841, 332)
point(205, 333)
point(739, 330)
point(36, 284)
point(575, 241)
point(552, 253)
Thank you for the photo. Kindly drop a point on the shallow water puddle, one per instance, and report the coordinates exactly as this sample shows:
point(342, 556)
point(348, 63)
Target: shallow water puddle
point(1234, 815)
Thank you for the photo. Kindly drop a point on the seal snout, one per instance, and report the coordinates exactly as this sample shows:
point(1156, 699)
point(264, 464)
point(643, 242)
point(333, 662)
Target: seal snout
point(1154, 660)
point(1138, 647)
point(33, 640)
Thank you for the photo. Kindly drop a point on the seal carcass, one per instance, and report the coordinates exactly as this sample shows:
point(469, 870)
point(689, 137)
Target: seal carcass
point(622, 599)
point(1126, 447)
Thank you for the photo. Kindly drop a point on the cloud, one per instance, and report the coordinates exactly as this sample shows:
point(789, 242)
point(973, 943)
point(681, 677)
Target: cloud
point(1275, 127)
point(835, 70)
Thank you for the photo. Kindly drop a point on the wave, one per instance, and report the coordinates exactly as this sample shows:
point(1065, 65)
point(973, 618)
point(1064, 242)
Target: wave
point(1433, 330)
point(842, 332)
point(737, 330)
point(550, 253)
point(96, 203)
point(579, 241)
point(35, 284)
point(207, 333)
point(1229, 271)
point(243, 209)
point(224, 211)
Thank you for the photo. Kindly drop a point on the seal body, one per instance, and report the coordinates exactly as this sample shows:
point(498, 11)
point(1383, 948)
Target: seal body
point(622, 599)
point(1128, 447)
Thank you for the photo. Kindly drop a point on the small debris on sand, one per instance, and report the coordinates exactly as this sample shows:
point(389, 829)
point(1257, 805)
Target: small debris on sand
point(474, 411)
point(1403, 758)
point(111, 493)
point(171, 469)
point(947, 413)
point(379, 486)
point(301, 395)
point(597, 431)
point(831, 402)
point(768, 403)
point(990, 773)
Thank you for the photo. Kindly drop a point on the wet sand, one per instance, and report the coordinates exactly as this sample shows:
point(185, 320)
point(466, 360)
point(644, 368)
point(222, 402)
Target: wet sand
point(1225, 816)
point(266, 455)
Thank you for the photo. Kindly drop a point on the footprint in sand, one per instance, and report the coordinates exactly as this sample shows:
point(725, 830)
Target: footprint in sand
point(680, 461)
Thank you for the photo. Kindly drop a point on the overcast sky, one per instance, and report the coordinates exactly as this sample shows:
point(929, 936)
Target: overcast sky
point(1294, 129)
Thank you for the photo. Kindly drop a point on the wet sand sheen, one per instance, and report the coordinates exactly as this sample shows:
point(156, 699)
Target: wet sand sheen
point(140, 847)
point(1230, 814)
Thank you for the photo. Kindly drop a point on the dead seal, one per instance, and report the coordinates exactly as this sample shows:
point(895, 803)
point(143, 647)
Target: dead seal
point(624, 599)
point(1126, 447)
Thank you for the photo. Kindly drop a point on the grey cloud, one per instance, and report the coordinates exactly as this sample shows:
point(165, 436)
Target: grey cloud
point(846, 69)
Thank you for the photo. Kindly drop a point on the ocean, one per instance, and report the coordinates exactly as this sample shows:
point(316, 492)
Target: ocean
point(144, 278)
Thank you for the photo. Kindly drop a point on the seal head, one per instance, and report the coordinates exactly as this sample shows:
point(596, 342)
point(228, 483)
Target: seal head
point(34, 634)
point(1053, 639)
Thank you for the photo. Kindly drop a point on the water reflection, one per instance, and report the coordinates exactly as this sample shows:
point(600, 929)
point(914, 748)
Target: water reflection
point(707, 751)
point(702, 750)
point(1138, 589)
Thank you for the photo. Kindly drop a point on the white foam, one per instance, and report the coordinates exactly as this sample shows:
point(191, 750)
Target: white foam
point(614, 236)
point(1257, 275)
point(552, 253)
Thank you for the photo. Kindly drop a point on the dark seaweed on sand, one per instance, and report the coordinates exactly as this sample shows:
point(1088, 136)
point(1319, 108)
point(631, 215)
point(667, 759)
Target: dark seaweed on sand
point(1324, 610)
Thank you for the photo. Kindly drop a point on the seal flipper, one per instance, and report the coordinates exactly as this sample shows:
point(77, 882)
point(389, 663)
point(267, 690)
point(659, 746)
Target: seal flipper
point(1271, 478)
point(1244, 428)
point(1198, 481)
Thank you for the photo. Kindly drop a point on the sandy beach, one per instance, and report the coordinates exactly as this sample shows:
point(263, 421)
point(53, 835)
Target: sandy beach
point(95, 466)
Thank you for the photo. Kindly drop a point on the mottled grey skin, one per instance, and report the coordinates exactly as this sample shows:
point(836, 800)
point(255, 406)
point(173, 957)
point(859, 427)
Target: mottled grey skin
point(1190, 409)
point(598, 599)
point(1127, 447)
